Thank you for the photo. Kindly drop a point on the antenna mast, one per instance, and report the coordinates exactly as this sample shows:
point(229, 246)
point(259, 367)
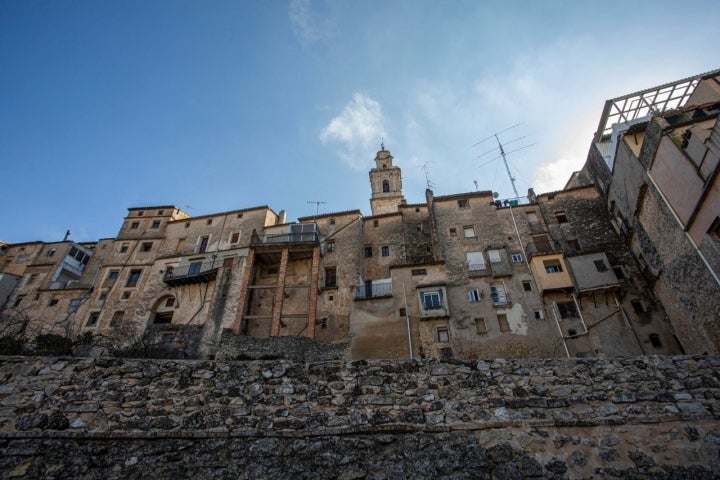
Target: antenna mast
point(426, 169)
point(317, 205)
point(503, 154)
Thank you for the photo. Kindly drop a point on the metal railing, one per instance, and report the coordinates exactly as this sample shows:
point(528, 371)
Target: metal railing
point(478, 269)
point(378, 290)
point(500, 298)
point(307, 237)
point(191, 270)
point(536, 248)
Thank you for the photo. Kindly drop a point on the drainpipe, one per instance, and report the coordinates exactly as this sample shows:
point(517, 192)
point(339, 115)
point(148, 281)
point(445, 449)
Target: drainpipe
point(687, 234)
point(562, 336)
point(407, 320)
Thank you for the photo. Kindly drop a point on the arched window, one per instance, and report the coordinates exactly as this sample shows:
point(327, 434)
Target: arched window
point(163, 310)
point(386, 186)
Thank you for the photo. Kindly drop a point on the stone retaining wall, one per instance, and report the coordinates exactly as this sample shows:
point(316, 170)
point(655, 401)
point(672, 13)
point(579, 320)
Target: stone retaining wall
point(654, 417)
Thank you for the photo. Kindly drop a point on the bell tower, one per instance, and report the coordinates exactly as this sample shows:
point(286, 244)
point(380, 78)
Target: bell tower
point(386, 184)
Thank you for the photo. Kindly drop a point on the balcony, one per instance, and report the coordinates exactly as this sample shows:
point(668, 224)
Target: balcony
point(500, 299)
point(190, 274)
point(501, 269)
point(542, 248)
point(373, 291)
point(478, 270)
point(296, 233)
point(536, 227)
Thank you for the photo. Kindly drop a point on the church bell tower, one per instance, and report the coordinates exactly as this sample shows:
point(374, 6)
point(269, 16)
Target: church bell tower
point(386, 184)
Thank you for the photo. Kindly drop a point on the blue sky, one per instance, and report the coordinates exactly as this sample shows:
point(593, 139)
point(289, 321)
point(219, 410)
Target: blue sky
point(222, 105)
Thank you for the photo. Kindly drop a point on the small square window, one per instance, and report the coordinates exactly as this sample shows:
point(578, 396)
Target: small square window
point(208, 221)
point(234, 237)
point(332, 221)
point(239, 215)
point(552, 266)
point(638, 306)
point(187, 224)
point(417, 209)
point(53, 302)
point(527, 286)
point(385, 251)
point(418, 271)
point(125, 295)
point(469, 231)
point(331, 246)
point(443, 334)
point(655, 340)
point(146, 247)
point(74, 304)
point(161, 212)
point(141, 213)
point(170, 302)
point(600, 266)
point(431, 300)
point(517, 258)
point(463, 204)
point(103, 296)
point(619, 271)
point(403, 313)
point(376, 223)
point(32, 278)
point(473, 295)
point(117, 318)
point(573, 245)
point(51, 252)
point(368, 252)
point(453, 232)
point(18, 300)
point(418, 227)
point(560, 216)
point(480, 325)
point(133, 278)
point(135, 225)
point(323, 323)
point(92, 319)
point(124, 248)
point(113, 274)
point(538, 314)
point(155, 224)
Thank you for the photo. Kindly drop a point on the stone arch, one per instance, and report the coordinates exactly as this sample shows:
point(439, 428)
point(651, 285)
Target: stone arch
point(163, 309)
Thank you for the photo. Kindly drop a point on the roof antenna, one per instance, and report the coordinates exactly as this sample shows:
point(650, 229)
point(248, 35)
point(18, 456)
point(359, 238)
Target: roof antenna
point(503, 154)
point(67, 235)
point(382, 143)
point(476, 185)
point(426, 169)
point(317, 206)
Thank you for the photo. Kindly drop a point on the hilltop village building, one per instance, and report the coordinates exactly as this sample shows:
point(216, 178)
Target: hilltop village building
point(623, 261)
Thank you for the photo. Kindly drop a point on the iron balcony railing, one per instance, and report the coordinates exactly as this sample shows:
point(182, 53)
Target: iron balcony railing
point(378, 290)
point(306, 237)
point(539, 248)
point(500, 298)
point(195, 272)
point(478, 269)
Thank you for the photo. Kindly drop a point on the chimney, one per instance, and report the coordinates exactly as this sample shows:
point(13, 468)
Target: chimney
point(281, 217)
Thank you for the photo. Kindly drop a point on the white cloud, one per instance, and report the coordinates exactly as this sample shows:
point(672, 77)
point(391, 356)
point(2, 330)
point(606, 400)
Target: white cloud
point(307, 23)
point(357, 131)
point(554, 175)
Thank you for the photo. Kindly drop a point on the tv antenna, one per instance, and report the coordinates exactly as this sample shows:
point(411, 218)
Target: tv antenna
point(503, 153)
point(317, 205)
point(476, 185)
point(426, 169)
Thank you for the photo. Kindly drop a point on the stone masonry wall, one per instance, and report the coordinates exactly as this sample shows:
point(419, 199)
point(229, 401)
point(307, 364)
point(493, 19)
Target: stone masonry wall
point(649, 417)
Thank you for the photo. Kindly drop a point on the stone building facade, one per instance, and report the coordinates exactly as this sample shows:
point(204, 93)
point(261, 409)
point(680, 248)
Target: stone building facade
point(580, 272)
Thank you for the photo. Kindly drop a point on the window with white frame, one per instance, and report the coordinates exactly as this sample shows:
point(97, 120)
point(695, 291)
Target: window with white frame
point(552, 266)
point(443, 334)
point(494, 256)
point(475, 261)
point(517, 258)
point(431, 300)
point(469, 231)
point(498, 294)
point(473, 295)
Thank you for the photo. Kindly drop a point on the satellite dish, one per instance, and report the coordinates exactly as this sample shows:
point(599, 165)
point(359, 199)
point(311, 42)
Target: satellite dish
point(496, 194)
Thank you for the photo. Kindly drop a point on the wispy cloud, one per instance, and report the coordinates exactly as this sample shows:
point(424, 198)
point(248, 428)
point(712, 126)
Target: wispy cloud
point(307, 23)
point(356, 131)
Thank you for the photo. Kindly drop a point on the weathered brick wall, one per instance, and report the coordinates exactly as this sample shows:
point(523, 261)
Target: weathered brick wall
point(653, 417)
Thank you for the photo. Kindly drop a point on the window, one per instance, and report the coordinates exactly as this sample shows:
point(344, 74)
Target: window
point(532, 218)
point(332, 221)
point(473, 295)
point(560, 216)
point(32, 278)
point(239, 215)
point(376, 223)
point(331, 246)
point(431, 300)
point(453, 232)
point(234, 237)
point(125, 295)
point(134, 225)
point(714, 230)
point(103, 296)
point(368, 252)
point(494, 256)
point(331, 277)
point(117, 318)
point(187, 224)
point(141, 213)
point(567, 309)
point(655, 340)
point(170, 302)
point(385, 251)
point(113, 274)
point(180, 245)
point(74, 305)
point(517, 258)
point(37, 296)
point(418, 227)
point(194, 268)
point(443, 334)
point(202, 243)
point(133, 278)
point(572, 332)
point(619, 271)
point(503, 322)
point(469, 231)
point(418, 271)
point(53, 302)
point(527, 286)
point(385, 186)
point(600, 266)
point(480, 325)
point(161, 212)
point(18, 300)
point(323, 323)
point(463, 203)
point(475, 261)
point(538, 314)
point(498, 294)
point(124, 248)
point(573, 245)
point(92, 319)
point(163, 317)
point(51, 252)
point(208, 221)
point(146, 247)
point(552, 266)
point(638, 306)
point(155, 224)
point(403, 313)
